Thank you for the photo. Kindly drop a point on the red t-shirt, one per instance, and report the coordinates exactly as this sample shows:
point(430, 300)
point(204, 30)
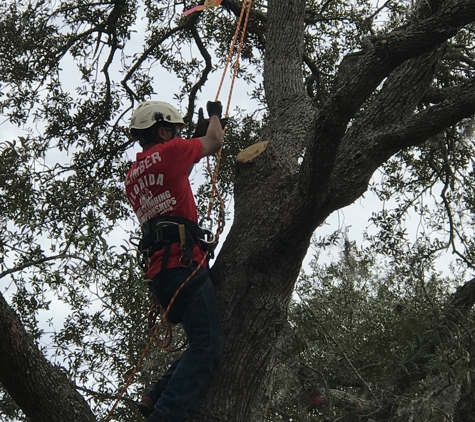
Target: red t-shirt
point(158, 185)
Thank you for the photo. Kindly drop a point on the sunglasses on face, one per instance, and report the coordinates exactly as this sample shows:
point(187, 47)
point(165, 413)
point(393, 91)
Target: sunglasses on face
point(175, 131)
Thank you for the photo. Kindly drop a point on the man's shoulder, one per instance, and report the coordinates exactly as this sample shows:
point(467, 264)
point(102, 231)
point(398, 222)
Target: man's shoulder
point(185, 143)
point(187, 147)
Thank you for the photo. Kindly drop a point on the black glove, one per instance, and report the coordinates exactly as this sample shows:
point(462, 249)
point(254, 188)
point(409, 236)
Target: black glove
point(202, 124)
point(214, 108)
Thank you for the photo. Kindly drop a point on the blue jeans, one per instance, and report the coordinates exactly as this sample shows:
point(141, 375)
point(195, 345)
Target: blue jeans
point(191, 372)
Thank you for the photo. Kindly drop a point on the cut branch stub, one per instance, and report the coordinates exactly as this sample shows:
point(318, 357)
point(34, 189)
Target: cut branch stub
point(250, 153)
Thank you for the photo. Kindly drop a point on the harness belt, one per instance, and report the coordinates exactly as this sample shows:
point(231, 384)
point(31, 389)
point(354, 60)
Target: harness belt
point(162, 232)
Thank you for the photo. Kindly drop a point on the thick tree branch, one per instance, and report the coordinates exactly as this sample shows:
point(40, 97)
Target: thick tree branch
point(42, 390)
point(431, 121)
point(372, 149)
point(385, 55)
point(290, 109)
point(399, 97)
point(437, 95)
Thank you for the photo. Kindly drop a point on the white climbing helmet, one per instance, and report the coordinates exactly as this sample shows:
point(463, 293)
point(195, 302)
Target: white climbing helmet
point(150, 112)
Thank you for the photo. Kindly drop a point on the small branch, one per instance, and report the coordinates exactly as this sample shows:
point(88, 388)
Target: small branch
point(33, 263)
point(204, 74)
point(112, 152)
point(106, 396)
point(46, 259)
point(378, 11)
point(459, 57)
point(187, 24)
point(314, 77)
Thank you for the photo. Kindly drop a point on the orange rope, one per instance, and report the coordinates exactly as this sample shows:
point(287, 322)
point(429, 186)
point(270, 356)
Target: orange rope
point(153, 315)
point(246, 7)
point(238, 54)
point(231, 49)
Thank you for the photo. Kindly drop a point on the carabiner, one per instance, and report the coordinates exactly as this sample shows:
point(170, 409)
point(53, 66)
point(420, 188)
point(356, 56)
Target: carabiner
point(209, 227)
point(208, 237)
point(189, 261)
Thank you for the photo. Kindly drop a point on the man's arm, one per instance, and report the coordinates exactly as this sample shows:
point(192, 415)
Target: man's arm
point(213, 140)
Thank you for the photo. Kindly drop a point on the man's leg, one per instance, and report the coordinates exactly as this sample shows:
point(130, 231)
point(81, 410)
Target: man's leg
point(151, 397)
point(202, 326)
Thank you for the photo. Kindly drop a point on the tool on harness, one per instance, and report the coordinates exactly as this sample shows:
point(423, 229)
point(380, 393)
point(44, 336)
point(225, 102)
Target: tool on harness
point(206, 224)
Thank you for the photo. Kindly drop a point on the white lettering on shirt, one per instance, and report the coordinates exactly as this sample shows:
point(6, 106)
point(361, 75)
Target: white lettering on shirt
point(145, 182)
point(142, 165)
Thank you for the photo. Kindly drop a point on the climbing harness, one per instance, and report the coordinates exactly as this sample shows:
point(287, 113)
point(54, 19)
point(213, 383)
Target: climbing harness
point(161, 232)
point(157, 232)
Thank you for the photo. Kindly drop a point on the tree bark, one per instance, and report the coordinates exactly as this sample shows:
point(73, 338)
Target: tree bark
point(41, 390)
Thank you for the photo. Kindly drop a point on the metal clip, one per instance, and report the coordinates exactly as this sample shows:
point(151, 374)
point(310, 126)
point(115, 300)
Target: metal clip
point(208, 237)
point(188, 261)
point(208, 226)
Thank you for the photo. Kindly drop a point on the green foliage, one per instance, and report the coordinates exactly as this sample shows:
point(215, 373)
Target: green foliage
point(68, 87)
point(429, 185)
point(359, 328)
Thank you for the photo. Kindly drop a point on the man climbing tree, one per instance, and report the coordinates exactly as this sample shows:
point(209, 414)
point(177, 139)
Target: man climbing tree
point(174, 246)
point(343, 95)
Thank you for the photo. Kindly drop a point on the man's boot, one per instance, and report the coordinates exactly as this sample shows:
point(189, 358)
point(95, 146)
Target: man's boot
point(149, 399)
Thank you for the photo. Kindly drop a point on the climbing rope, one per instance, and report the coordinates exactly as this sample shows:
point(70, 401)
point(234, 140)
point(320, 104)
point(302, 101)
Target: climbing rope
point(155, 310)
point(245, 9)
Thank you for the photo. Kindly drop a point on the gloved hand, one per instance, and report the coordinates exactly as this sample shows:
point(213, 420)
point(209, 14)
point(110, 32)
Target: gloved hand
point(202, 124)
point(214, 108)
